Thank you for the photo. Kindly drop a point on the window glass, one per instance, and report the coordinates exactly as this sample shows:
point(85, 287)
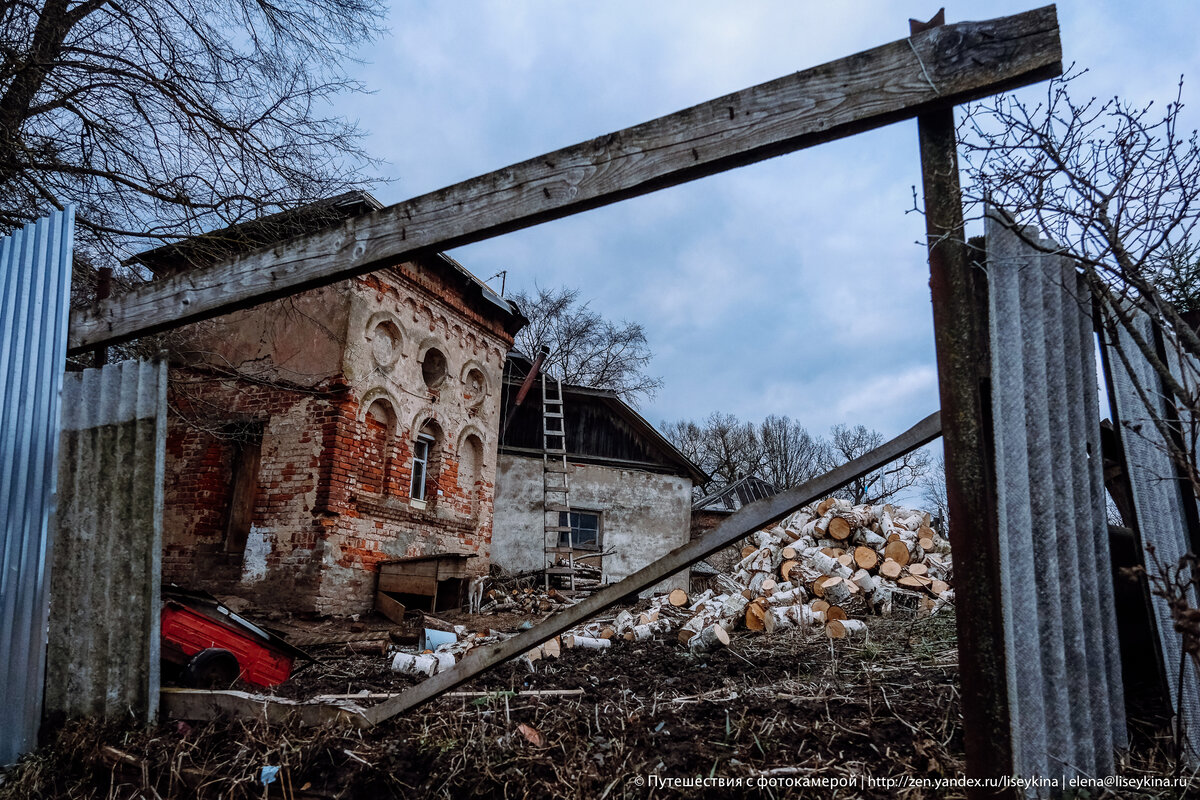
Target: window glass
point(420, 459)
point(585, 529)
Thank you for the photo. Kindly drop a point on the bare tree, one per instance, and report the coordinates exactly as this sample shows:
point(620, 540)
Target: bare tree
point(849, 443)
point(161, 120)
point(933, 485)
point(732, 449)
point(1116, 187)
point(585, 348)
point(790, 454)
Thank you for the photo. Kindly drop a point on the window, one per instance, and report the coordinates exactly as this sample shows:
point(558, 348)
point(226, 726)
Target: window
point(420, 466)
point(585, 529)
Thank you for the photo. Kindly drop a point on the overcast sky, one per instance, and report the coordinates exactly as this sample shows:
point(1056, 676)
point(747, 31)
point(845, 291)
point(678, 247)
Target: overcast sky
point(796, 286)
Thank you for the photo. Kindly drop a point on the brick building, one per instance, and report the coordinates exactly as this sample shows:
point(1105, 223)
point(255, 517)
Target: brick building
point(312, 437)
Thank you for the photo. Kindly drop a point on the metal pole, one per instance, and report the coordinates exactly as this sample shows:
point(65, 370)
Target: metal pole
point(960, 320)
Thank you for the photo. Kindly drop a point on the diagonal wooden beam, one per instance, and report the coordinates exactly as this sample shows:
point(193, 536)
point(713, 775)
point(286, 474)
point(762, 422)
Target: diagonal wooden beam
point(937, 68)
point(749, 519)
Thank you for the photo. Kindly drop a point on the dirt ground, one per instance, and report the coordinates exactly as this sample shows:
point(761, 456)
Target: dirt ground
point(769, 712)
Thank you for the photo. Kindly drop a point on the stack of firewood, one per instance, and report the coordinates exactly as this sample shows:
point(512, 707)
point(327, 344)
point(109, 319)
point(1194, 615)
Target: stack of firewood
point(526, 600)
point(827, 566)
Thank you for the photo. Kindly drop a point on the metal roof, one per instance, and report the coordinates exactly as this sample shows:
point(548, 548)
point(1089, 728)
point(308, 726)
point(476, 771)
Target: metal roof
point(733, 496)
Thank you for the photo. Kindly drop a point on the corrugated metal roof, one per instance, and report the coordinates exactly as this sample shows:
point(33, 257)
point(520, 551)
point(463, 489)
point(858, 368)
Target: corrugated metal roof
point(1064, 673)
point(35, 283)
point(103, 653)
point(737, 494)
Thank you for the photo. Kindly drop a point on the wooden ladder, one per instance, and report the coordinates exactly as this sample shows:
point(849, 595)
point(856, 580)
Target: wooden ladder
point(555, 483)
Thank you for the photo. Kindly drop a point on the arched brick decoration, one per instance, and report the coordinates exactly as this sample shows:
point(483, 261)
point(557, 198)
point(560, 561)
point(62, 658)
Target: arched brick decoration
point(376, 467)
point(470, 471)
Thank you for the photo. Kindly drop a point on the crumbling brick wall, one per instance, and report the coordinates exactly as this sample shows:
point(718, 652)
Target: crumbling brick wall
point(332, 489)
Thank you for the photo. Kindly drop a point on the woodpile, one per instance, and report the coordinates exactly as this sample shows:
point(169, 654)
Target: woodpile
point(825, 567)
point(523, 600)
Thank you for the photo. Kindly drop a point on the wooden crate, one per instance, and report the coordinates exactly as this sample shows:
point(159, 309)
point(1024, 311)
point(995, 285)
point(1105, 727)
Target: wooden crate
point(434, 583)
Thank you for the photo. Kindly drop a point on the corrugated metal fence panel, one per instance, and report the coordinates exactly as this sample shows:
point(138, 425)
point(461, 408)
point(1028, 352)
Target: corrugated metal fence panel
point(103, 656)
point(1158, 501)
point(1064, 674)
point(35, 284)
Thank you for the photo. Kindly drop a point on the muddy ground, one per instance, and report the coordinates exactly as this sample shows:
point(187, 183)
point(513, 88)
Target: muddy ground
point(771, 711)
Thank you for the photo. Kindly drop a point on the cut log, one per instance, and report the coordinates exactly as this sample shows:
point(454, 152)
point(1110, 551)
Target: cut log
point(846, 560)
point(756, 613)
point(890, 568)
point(893, 537)
point(818, 586)
point(678, 598)
point(835, 613)
point(836, 591)
point(917, 569)
point(789, 554)
point(785, 569)
point(865, 557)
point(897, 551)
point(829, 566)
point(414, 664)
point(768, 586)
point(926, 544)
point(710, 638)
point(838, 528)
point(846, 629)
point(796, 617)
point(788, 597)
point(749, 550)
point(640, 633)
point(871, 539)
point(911, 582)
point(586, 642)
point(824, 506)
point(939, 587)
point(733, 608)
point(820, 605)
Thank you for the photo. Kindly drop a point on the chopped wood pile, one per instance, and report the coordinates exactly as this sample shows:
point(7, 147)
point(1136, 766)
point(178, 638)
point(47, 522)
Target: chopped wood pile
point(827, 566)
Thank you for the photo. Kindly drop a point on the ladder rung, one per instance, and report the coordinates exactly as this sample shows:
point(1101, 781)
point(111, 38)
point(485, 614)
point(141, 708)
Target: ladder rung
point(559, 468)
point(555, 451)
point(553, 415)
point(558, 529)
point(548, 432)
point(560, 507)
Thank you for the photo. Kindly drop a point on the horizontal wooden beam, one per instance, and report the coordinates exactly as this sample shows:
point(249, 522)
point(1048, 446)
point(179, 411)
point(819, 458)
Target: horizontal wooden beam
point(750, 518)
point(936, 68)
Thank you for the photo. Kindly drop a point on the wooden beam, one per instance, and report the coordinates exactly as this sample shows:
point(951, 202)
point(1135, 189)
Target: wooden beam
point(204, 705)
point(750, 518)
point(933, 69)
point(958, 288)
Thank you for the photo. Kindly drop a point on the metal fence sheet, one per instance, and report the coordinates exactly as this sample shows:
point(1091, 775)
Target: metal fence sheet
point(35, 283)
point(1158, 500)
point(103, 657)
point(1064, 674)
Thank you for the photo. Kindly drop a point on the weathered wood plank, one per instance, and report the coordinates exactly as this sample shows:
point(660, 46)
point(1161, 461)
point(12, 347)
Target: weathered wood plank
point(934, 69)
point(750, 518)
point(205, 706)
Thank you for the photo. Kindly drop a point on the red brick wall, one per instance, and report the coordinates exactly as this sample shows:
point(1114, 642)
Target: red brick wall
point(332, 493)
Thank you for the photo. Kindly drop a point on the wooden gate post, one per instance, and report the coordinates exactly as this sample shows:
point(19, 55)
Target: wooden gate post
point(960, 321)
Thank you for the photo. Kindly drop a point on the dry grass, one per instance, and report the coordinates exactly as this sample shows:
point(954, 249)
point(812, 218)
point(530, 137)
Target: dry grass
point(792, 706)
